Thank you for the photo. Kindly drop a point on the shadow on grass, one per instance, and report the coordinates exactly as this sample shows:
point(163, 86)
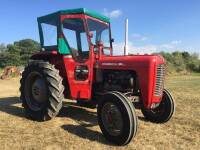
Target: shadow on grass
point(71, 110)
point(12, 106)
point(7, 105)
point(85, 119)
point(79, 114)
point(143, 119)
point(85, 133)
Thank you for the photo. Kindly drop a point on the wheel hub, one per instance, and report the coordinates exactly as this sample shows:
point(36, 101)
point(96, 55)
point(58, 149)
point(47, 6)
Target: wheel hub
point(112, 119)
point(39, 90)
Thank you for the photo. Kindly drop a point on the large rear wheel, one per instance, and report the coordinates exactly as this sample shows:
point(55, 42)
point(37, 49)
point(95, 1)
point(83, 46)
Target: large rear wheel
point(41, 90)
point(117, 118)
point(163, 112)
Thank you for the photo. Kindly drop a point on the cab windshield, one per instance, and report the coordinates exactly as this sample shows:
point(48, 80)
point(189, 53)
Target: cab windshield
point(76, 37)
point(101, 33)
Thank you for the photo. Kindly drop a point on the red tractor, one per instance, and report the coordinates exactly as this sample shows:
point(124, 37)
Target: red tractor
point(76, 62)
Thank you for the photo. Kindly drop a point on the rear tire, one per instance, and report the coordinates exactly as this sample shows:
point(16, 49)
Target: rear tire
point(117, 118)
point(41, 90)
point(163, 112)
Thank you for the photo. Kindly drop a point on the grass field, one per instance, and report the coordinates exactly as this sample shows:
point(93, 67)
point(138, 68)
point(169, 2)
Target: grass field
point(77, 128)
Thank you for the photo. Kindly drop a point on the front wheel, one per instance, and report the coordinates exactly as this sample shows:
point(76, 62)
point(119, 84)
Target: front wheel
point(163, 112)
point(117, 118)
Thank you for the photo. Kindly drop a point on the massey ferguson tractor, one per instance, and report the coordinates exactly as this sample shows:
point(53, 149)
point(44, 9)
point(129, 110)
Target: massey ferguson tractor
point(76, 62)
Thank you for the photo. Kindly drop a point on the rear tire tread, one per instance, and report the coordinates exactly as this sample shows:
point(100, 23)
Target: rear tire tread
point(54, 87)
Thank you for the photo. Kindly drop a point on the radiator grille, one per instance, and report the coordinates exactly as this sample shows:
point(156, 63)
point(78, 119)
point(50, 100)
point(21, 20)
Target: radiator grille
point(160, 73)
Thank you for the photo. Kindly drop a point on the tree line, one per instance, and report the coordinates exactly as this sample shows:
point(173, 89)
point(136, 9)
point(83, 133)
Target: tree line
point(181, 62)
point(18, 53)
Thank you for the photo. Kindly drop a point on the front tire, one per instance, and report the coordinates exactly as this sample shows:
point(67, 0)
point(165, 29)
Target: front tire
point(117, 118)
point(41, 90)
point(163, 112)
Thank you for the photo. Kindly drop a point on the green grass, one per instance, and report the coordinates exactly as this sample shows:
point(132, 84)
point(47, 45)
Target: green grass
point(186, 122)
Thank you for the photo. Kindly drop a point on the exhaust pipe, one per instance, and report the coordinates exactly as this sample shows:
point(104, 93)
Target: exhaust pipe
point(126, 37)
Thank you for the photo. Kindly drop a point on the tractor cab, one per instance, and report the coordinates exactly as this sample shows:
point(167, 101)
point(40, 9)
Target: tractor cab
point(79, 36)
point(75, 32)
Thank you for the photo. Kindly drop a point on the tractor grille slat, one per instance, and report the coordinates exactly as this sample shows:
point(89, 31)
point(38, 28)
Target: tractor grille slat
point(160, 73)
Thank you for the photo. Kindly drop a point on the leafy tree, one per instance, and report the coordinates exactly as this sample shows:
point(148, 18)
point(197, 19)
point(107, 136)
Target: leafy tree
point(186, 56)
point(18, 53)
point(181, 61)
point(2, 48)
point(178, 61)
point(27, 48)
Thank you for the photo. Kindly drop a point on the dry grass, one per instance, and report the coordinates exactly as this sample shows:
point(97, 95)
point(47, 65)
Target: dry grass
point(77, 128)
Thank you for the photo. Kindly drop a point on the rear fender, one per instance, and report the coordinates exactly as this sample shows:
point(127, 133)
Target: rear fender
point(44, 55)
point(58, 60)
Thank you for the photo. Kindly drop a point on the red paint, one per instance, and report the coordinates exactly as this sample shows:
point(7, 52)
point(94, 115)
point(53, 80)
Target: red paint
point(143, 65)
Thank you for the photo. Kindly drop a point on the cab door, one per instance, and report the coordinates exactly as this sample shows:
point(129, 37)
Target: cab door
point(79, 68)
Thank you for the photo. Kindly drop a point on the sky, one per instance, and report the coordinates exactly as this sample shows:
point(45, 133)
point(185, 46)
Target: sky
point(154, 25)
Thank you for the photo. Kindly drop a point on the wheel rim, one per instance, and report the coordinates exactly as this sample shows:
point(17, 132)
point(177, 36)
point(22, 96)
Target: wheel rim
point(35, 91)
point(112, 119)
point(39, 90)
point(160, 110)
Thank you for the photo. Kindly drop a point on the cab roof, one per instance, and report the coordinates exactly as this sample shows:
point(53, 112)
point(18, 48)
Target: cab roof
point(73, 11)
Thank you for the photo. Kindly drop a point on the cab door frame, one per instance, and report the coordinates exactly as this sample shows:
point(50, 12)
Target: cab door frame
point(80, 89)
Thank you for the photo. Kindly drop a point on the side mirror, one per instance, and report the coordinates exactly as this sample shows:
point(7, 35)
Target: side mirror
point(112, 40)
